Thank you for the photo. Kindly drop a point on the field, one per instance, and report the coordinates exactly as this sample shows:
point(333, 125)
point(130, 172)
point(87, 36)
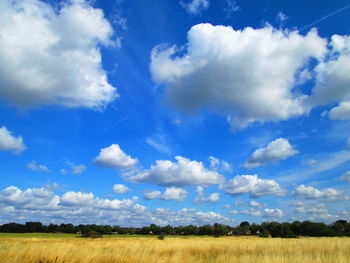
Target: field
point(68, 249)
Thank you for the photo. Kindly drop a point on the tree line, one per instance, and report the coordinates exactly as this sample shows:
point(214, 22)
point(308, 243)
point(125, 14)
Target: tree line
point(266, 229)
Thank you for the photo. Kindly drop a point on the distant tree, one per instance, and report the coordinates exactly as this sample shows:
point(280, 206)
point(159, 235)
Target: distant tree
point(205, 230)
point(13, 228)
point(220, 230)
point(52, 228)
point(34, 227)
point(244, 224)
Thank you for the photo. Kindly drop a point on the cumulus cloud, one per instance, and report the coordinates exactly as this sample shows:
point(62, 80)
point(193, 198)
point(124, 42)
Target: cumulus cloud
point(152, 195)
point(256, 204)
point(340, 112)
point(248, 74)
point(268, 212)
point(251, 185)
point(73, 168)
point(40, 204)
point(276, 150)
point(121, 189)
point(188, 216)
point(302, 208)
point(219, 165)
point(310, 192)
point(251, 212)
point(345, 176)
point(180, 173)
point(233, 212)
point(114, 157)
point(315, 212)
point(175, 194)
point(39, 44)
point(195, 7)
point(332, 78)
point(13, 196)
point(33, 165)
point(200, 196)
point(170, 194)
point(11, 143)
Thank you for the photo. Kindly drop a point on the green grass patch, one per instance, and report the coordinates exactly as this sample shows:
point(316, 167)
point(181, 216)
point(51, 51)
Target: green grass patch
point(36, 235)
point(63, 235)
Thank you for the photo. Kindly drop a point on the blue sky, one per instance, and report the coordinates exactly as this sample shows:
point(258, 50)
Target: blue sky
point(174, 112)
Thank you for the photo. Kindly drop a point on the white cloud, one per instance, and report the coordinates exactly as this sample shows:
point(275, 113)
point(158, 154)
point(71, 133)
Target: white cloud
point(159, 142)
point(276, 150)
point(251, 212)
point(76, 199)
point(184, 172)
point(219, 165)
point(272, 212)
point(78, 169)
point(152, 195)
point(33, 165)
point(174, 193)
point(120, 189)
point(309, 192)
point(326, 162)
point(8, 142)
point(340, 112)
point(188, 216)
point(256, 204)
point(40, 204)
point(231, 7)
point(333, 79)
point(252, 185)
point(307, 209)
point(345, 176)
point(73, 168)
point(200, 196)
point(114, 157)
point(239, 202)
point(267, 212)
point(39, 45)
point(281, 17)
point(195, 7)
point(249, 74)
point(32, 196)
point(311, 162)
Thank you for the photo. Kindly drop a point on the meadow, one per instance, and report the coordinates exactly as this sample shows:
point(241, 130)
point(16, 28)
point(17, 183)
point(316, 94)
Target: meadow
point(149, 249)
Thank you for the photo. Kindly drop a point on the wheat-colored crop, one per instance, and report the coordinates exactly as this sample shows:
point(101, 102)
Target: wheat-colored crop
point(151, 250)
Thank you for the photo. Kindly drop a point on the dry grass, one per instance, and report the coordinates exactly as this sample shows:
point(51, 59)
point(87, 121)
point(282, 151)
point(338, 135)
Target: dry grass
point(149, 250)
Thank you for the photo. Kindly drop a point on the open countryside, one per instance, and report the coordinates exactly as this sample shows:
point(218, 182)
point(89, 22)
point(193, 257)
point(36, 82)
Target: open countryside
point(174, 131)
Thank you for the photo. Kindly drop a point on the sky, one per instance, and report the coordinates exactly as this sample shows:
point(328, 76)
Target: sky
point(138, 112)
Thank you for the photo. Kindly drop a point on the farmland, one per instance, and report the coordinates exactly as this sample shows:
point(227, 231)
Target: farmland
point(67, 248)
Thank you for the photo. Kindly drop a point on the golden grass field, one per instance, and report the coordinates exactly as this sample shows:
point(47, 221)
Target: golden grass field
point(193, 249)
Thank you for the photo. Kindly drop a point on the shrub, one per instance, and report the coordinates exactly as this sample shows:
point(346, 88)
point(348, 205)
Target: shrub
point(161, 237)
point(92, 234)
point(264, 233)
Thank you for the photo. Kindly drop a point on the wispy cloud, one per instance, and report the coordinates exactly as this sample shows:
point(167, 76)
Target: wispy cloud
point(326, 162)
point(325, 17)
